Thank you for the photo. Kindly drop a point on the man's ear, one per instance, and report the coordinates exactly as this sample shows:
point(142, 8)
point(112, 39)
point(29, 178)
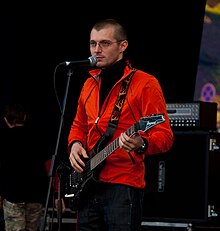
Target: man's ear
point(124, 45)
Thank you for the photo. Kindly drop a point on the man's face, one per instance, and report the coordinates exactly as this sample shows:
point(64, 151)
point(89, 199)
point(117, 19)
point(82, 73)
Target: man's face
point(105, 47)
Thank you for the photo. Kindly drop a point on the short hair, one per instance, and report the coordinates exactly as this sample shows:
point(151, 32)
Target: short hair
point(120, 31)
point(15, 113)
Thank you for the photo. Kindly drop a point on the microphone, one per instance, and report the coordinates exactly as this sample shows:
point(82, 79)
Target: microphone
point(91, 61)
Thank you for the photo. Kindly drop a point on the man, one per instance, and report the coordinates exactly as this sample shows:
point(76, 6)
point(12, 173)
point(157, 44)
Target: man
point(23, 178)
point(115, 202)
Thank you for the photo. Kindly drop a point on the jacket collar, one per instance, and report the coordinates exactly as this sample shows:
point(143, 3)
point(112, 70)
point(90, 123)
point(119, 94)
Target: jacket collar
point(120, 69)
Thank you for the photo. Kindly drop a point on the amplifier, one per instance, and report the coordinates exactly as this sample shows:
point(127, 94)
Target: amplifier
point(193, 115)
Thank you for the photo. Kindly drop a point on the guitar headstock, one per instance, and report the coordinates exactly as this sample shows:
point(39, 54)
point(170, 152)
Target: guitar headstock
point(148, 122)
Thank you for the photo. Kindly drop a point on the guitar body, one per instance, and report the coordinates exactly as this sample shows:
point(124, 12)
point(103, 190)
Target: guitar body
point(81, 185)
point(77, 185)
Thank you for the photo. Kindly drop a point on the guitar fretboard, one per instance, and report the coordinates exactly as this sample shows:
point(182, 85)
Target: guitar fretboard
point(144, 124)
point(104, 153)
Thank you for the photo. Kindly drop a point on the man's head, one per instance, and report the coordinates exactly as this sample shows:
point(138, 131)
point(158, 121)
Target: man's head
point(108, 41)
point(14, 115)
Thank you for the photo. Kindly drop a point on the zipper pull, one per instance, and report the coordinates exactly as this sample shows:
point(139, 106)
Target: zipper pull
point(96, 121)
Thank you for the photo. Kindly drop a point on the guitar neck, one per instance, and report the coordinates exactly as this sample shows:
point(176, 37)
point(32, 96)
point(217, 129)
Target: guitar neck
point(110, 148)
point(144, 124)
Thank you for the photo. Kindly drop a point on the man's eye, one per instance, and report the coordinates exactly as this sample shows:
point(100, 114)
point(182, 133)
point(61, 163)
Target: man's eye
point(105, 43)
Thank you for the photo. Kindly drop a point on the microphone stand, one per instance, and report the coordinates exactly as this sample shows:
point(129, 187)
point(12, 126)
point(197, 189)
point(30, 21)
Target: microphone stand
point(52, 172)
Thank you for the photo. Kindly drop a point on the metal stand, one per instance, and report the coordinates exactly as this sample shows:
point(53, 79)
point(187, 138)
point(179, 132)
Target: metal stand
point(54, 164)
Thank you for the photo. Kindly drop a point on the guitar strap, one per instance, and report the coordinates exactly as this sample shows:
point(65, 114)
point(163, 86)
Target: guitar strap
point(113, 121)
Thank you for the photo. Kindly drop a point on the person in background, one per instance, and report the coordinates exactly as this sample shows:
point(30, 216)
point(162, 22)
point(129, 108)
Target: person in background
point(23, 177)
point(115, 202)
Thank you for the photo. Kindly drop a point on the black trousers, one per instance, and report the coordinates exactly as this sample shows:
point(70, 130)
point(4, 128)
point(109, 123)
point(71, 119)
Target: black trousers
point(111, 207)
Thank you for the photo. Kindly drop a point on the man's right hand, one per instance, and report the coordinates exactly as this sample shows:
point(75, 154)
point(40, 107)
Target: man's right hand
point(77, 154)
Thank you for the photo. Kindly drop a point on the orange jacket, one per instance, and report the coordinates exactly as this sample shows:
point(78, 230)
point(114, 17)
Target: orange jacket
point(144, 97)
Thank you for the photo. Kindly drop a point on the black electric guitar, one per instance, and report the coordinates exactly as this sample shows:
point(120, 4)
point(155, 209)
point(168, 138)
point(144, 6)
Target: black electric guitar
point(79, 183)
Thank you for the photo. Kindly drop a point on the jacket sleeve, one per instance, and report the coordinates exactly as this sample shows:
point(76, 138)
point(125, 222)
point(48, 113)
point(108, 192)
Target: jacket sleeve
point(160, 137)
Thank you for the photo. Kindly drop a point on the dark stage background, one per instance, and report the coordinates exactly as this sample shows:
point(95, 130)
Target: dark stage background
point(164, 40)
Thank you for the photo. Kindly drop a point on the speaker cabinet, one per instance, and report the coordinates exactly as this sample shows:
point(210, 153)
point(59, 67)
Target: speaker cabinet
point(178, 182)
